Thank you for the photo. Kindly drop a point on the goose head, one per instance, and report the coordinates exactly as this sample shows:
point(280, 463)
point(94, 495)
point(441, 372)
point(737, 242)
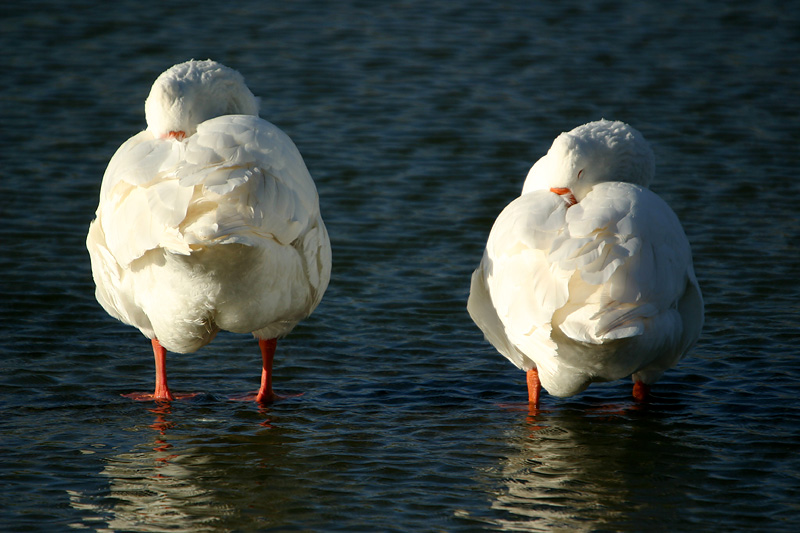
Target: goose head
point(590, 154)
point(191, 93)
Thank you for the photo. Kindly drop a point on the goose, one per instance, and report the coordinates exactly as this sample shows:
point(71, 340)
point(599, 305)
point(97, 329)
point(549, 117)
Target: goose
point(587, 276)
point(208, 220)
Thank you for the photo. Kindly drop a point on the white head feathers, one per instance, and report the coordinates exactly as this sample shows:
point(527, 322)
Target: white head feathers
point(195, 91)
point(593, 153)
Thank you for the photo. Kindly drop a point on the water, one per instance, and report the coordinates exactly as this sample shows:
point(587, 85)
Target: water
point(418, 121)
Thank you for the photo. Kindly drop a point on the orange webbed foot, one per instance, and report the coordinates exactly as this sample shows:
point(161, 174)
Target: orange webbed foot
point(153, 397)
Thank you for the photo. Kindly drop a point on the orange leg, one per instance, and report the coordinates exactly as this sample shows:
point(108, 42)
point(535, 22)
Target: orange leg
point(162, 392)
point(641, 391)
point(265, 394)
point(534, 387)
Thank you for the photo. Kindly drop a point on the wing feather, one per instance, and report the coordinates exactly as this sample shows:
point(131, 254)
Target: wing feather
point(517, 288)
point(640, 263)
point(237, 179)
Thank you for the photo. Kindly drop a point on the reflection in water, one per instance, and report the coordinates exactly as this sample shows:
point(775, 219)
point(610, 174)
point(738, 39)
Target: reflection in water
point(581, 471)
point(153, 489)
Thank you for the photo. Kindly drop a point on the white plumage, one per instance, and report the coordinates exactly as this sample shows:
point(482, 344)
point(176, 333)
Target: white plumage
point(208, 220)
point(588, 275)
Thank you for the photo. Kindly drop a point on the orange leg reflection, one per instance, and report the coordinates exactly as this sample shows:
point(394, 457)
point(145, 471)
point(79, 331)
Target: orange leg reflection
point(161, 424)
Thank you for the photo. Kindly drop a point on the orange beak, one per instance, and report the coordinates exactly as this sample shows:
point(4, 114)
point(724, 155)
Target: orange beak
point(566, 193)
point(177, 135)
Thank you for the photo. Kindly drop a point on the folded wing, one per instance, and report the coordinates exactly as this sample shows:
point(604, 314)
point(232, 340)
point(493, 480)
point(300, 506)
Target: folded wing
point(239, 179)
point(556, 281)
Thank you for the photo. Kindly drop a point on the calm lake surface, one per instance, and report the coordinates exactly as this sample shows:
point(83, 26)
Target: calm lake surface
point(419, 121)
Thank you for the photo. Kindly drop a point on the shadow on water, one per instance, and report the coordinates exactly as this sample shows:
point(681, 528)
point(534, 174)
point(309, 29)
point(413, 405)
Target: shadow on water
point(584, 467)
point(188, 476)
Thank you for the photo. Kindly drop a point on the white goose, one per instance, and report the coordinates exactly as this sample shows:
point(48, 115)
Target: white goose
point(208, 220)
point(588, 275)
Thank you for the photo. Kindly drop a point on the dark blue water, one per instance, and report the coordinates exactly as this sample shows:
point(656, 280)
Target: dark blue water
point(418, 121)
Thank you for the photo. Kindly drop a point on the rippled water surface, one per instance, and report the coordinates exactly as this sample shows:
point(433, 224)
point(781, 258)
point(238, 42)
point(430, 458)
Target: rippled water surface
point(418, 121)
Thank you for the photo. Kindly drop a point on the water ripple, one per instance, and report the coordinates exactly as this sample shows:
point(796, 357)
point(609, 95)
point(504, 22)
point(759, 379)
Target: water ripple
point(418, 123)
